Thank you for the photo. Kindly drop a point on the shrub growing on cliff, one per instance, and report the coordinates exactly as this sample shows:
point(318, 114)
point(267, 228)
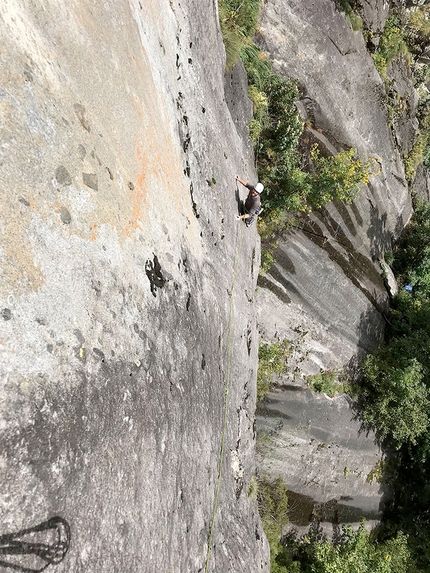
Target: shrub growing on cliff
point(391, 44)
point(352, 552)
point(272, 359)
point(334, 178)
point(418, 28)
point(326, 382)
point(338, 177)
point(273, 508)
point(276, 128)
point(421, 150)
point(412, 264)
point(395, 389)
point(394, 399)
point(238, 19)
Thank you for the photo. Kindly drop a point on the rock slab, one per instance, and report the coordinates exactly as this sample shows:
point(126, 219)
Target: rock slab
point(119, 308)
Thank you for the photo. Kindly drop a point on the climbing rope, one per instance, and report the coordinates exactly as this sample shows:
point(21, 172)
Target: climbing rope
point(227, 384)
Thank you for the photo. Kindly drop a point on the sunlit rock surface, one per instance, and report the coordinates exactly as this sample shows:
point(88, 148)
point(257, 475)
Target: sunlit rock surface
point(119, 255)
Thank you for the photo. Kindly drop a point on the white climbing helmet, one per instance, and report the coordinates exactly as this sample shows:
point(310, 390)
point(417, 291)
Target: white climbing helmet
point(259, 187)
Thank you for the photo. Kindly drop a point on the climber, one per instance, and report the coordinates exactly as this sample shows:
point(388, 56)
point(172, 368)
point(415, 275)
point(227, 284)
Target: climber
point(252, 206)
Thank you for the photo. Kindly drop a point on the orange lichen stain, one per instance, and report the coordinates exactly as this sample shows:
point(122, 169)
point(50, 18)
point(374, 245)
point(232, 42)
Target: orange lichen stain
point(138, 194)
point(93, 235)
point(19, 271)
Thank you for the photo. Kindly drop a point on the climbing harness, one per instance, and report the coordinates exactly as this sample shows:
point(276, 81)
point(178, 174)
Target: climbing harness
point(227, 383)
point(251, 219)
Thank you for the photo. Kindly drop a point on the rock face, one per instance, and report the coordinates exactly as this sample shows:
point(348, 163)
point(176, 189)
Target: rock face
point(127, 287)
point(329, 265)
point(421, 185)
point(331, 458)
point(374, 14)
point(327, 291)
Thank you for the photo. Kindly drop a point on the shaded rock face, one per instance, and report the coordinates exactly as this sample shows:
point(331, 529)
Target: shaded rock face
point(327, 270)
point(421, 184)
point(127, 287)
point(405, 123)
point(328, 458)
point(327, 291)
point(374, 14)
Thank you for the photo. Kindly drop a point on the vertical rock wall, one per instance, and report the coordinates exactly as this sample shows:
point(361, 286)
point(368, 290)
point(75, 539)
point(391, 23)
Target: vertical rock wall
point(326, 291)
point(328, 269)
point(126, 287)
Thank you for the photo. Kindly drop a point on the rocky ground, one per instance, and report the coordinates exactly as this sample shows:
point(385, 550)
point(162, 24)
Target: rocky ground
point(127, 287)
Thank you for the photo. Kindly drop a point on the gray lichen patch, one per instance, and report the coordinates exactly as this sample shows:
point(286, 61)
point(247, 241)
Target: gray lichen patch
point(91, 180)
point(63, 176)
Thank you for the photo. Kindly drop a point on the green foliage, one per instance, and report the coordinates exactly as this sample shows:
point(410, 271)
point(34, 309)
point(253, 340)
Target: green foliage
point(408, 33)
point(353, 18)
point(376, 473)
point(271, 226)
point(426, 156)
point(276, 128)
point(253, 488)
point(238, 20)
point(395, 388)
point(391, 45)
point(421, 149)
point(353, 552)
point(419, 21)
point(325, 382)
point(273, 508)
point(267, 258)
point(395, 392)
point(338, 177)
point(393, 396)
point(418, 28)
point(412, 256)
point(389, 257)
point(272, 359)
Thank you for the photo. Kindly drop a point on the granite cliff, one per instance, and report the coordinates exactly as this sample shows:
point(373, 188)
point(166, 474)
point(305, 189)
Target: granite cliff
point(127, 289)
point(128, 300)
point(329, 289)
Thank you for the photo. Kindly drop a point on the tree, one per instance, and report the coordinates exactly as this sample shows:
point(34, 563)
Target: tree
point(393, 397)
point(338, 177)
point(354, 552)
